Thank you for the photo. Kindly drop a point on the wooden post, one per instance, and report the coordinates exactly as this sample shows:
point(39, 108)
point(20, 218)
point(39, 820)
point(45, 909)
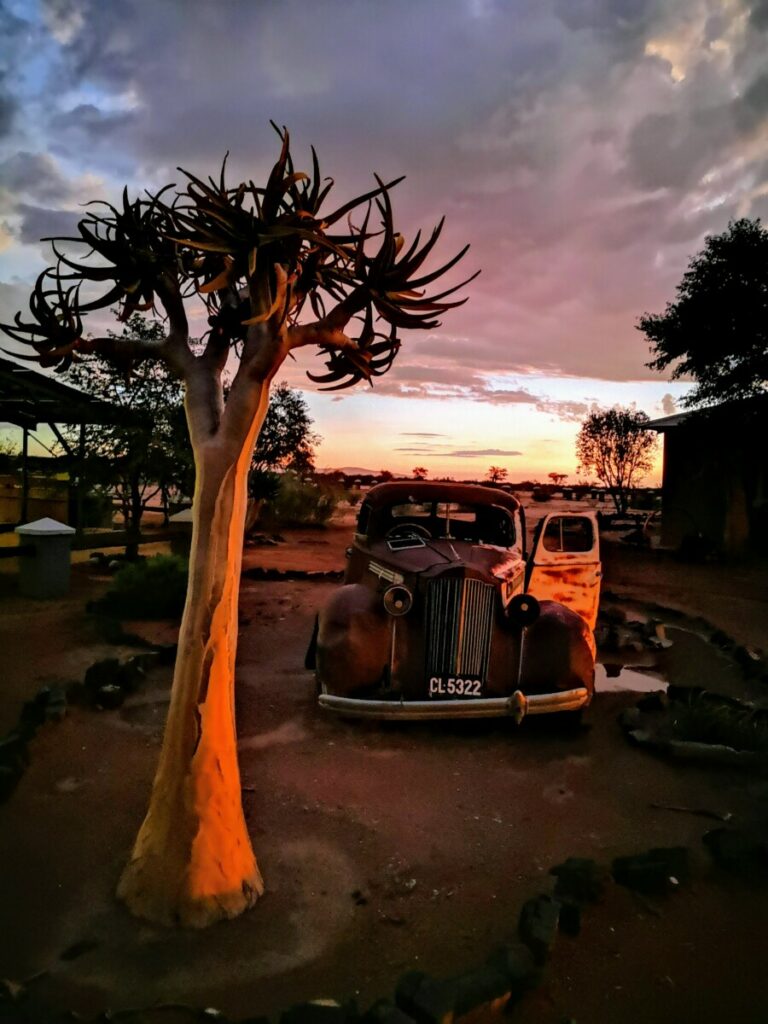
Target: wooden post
point(24, 475)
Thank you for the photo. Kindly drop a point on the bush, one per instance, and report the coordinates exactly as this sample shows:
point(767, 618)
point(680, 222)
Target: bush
point(153, 588)
point(302, 503)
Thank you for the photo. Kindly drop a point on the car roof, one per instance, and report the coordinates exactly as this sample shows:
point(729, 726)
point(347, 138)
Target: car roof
point(405, 491)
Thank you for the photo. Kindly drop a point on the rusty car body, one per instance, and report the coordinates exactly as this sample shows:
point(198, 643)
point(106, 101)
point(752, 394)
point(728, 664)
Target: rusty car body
point(444, 612)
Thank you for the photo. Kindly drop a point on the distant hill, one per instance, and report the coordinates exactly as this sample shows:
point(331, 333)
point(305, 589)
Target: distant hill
point(350, 470)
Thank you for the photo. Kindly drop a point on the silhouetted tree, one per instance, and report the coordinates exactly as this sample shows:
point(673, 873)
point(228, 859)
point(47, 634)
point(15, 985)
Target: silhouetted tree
point(716, 331)
point(265, 267)
point(286, 439)
point(496, 474)
point(420, 472)
point(557, 478)
point(616, 447)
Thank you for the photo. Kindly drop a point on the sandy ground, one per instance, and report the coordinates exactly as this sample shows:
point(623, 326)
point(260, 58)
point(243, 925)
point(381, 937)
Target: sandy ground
point(384, 847)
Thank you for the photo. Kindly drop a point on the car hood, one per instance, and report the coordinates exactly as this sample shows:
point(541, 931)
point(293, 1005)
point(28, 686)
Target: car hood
point(438, 556)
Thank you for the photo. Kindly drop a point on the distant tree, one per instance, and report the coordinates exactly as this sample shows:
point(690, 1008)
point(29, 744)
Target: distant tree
point(269, 270)
point(557, 478)
point(420, 472)
point(615, 445)
point(496, 474)
point(384, 476)
point(716, 331)
point(143, 460)
point(287, 440)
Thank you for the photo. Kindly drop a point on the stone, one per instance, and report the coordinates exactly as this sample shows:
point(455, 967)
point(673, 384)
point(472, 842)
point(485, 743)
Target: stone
point(739, 852)
point(537, 926)
point(109, 697)
point(426, 1000)
point(580, 880)
point(320, 1011)
point(385, 1012)
point(570, 919)
point(101, 673)
point(655, 873)
point(515, 961)
point(656, 701)
point(484, 991)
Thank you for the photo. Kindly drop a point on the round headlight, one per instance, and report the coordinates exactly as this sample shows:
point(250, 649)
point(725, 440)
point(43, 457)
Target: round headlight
point(523, 609)
point(398, 600)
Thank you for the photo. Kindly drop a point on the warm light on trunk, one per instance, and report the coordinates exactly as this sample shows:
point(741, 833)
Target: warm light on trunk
point(192, 862)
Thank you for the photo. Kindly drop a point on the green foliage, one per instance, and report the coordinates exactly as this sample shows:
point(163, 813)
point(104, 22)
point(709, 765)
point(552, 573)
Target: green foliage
point(615, 446)
point(153, 588)
point(716, 331)
point(286, 440)
point(140, 460)
point(303, 503)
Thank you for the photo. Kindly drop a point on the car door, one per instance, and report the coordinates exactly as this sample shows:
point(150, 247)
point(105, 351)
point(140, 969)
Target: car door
point(565, 563)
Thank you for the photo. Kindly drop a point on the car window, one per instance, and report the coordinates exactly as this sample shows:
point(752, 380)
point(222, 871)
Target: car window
point(569, 533)
point(411, 510)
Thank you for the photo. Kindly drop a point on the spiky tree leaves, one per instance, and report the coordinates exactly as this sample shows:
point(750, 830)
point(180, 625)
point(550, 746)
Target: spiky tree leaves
point(273, 273)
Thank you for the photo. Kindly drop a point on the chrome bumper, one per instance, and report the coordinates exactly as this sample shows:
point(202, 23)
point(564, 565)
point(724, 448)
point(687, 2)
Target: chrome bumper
point(517, 706)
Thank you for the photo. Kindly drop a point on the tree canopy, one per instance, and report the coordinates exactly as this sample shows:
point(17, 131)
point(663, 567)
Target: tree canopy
point(617, 447)
point(287, 440)
point(716, 330)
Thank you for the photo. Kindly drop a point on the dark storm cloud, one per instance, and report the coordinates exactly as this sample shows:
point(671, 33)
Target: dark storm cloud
point(583, 147)
point(37, 222)
point(36, 175)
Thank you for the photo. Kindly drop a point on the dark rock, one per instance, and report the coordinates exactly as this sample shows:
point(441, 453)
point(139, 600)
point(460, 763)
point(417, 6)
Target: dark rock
point(102, 673)
point(484, 990)
point(109, 697)
point(537, 925)
point(613, 669)
point(654, 873)
point(615, 616)
point(320, 1012)
point(656, 701)
point(385, 1012)
point(721, 640)
point(9, 780)
point(630, 719)
point(13, 751)
point(579, 879)
point(426, 1000)
point(570, 919)
point(516, 963)
point(738, 852)
point(166, 653)
point(78, 949)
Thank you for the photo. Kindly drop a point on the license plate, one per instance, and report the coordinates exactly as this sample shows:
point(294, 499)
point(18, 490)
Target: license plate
point(454, 687)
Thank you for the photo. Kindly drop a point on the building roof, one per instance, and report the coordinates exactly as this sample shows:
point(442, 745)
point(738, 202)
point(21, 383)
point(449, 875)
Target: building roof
point(28, 397)
point(666, 422)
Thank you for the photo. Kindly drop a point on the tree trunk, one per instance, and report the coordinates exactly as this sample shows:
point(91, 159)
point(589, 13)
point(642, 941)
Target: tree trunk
point(192, 863)
point(135, 510)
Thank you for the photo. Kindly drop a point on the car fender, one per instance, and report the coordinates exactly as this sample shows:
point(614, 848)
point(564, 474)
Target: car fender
point(557, 651)
point(353, 640)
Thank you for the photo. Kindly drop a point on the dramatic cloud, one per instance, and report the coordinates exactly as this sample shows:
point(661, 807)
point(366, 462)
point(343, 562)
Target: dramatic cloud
point(481, 452)
point(583, 147)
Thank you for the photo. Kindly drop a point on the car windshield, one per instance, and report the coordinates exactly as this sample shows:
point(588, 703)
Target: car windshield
point(448, 520)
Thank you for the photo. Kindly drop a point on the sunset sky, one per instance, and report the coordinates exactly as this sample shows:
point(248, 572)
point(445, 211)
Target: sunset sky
point(583, 147)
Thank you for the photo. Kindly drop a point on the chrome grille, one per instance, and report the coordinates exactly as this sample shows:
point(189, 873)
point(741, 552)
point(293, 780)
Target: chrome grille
point(459, 623)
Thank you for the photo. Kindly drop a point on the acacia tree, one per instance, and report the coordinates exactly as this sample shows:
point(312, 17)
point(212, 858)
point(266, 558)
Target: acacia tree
point(617, 447)
point(496, 474)
point(272, 277)
point(420, 472)
point(716, 331)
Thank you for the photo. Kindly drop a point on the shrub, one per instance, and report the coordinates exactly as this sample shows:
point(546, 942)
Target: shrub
point(153, 588)
point(302, 502)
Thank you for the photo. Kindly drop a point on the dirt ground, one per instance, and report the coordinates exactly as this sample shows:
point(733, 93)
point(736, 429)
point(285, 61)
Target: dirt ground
point(384, 847)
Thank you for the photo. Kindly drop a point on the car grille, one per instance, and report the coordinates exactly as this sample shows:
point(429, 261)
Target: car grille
point(459, 622)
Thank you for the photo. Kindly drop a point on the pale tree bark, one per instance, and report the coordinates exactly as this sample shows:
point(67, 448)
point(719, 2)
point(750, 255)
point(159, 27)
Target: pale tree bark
point(192, 863)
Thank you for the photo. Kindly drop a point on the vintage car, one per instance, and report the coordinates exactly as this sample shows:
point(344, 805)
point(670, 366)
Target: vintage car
point(444, 613)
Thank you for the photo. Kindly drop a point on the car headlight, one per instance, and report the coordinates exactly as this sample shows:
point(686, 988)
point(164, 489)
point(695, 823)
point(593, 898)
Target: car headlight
point(398, 599)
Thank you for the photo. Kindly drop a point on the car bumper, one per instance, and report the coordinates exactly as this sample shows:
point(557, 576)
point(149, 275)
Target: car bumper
point(517, 706)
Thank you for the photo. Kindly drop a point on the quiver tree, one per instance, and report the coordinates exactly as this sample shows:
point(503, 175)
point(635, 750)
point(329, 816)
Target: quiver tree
point(273, 274)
